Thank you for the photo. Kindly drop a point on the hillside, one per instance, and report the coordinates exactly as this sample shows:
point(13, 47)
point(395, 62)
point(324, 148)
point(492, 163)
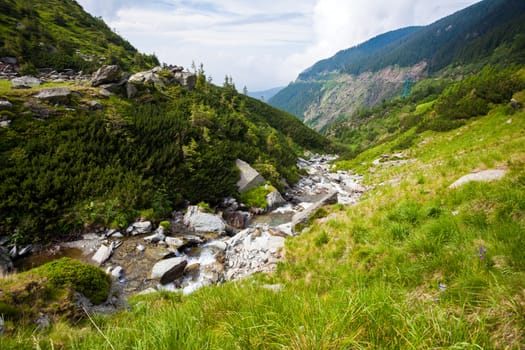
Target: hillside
point(77, 154)
point(59, 34)
point(389, 272)
point(383, 67)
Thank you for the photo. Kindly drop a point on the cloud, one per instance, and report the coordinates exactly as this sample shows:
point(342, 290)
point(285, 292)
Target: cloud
point(261, 44)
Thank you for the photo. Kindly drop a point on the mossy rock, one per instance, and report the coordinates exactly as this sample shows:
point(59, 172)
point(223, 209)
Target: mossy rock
point(83, 278)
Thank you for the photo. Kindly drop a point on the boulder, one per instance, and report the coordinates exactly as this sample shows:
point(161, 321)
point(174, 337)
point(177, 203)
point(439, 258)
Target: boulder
point(249, 177)
point(103, 253)
point(274, 200)
point(139, 228)
point(483, 176)
point(198, 221)
point(301, 219)
point(25, 82)
point(185, 79)
point(169, 270)
point(238, 219)
point(106, 74)
point(131, 90)
point(4, 104)
point(54, 95)
point(146, 78)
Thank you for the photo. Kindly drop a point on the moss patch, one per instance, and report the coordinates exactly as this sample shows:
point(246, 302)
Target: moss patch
point(257, 196)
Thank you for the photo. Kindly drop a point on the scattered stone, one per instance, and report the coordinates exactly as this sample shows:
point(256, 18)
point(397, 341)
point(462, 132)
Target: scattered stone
point(217, 245)
point(103, 253)
point(139, 228)
point(4, 104)
point(156, 237)
point(198, 221)
point(106, 74)
point(169, 270)
point(148, 77)
point(174, 242)
point(54, 95)
point(273, 287)
point(515, 104)
point(141, 248)
point(249, 177)
point(25, 82)
point(117, 272)
point(482, 176)
point(95, 105)
point(43, 322)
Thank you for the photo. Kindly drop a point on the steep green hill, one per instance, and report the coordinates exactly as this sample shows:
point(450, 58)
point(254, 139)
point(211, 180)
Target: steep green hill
point(59, 34)
point(490, 32)
point(107, 156)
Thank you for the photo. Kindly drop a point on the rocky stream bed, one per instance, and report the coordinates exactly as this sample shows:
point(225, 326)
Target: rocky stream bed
point(202, 248)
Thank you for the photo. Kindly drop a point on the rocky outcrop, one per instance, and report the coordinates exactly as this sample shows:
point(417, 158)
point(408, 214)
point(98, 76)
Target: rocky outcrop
point(106, 75)
point(54, 95)
point(185, 79)
point(148, 77)
point(482, 176)
point(198, 221)
point(169, 270)
point(300, 219)
point(249, 177)
point(25, 82)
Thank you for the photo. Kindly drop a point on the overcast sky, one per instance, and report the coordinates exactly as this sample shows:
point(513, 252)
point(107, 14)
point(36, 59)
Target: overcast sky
point(261, 44)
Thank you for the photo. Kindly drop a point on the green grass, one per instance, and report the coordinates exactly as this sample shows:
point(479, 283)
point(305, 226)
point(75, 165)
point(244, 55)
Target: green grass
point(414, 265)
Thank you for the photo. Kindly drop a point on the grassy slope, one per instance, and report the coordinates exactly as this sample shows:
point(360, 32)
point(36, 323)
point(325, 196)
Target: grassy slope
point(401, 269)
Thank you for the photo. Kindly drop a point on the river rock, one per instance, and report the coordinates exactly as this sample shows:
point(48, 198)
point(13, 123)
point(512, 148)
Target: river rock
point(238, 219)
point(169, 270)
point(25, 82)
point(54, 95)
point(106, 74)
point(249, 177)
point(274, 200)
point(483, 176)
point(301, 218)
point(103, 253)
point(156, 237)
point(139, 228)
point(117, 272)
point(198, 221)
point(174, 242)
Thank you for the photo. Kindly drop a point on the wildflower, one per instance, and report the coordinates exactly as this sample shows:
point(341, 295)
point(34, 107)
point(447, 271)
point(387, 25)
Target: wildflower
point(482, 251)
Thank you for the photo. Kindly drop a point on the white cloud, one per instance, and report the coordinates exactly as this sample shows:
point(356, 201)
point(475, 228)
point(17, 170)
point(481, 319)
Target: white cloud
point(260, 43)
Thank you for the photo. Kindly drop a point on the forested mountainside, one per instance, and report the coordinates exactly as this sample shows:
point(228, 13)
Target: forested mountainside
point(76, 153)
point(489, 32)
point(59, 34)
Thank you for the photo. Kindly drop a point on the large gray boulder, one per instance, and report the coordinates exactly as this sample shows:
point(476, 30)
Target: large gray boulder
point(482, 176)
point(106, 74)
point(299, 220)
point(25, 82)
point(198, 221)
point(250, 178)
point(169, 270)
point(54, 95)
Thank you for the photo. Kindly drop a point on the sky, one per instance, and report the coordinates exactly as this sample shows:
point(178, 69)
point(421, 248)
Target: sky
point(261, 44)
